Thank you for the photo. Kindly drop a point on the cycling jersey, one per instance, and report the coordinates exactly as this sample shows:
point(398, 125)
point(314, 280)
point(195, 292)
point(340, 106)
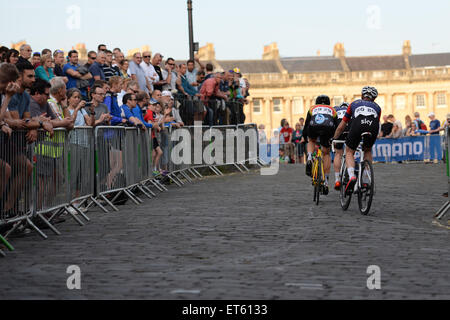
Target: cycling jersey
point(321, 123)
point(365, 117)
point(362, 108)
point(341, 111)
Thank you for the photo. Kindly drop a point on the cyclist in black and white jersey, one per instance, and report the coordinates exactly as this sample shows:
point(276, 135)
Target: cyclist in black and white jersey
point(341, 111)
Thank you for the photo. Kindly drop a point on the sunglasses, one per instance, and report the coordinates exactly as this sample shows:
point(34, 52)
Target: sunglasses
point(147, 56)
point(93, 58)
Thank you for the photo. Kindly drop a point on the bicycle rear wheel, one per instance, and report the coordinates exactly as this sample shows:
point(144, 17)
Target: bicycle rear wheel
point(366, 192)
point(344, 198)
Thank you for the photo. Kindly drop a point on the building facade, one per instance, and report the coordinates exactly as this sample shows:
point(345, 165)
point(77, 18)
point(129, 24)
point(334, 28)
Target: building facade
point(285, 88)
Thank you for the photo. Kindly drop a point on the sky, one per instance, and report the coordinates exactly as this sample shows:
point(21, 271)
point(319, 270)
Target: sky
point(238, 29)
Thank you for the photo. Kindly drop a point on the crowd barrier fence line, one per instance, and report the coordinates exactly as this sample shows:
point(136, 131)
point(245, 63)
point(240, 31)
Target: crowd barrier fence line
point(89, 167)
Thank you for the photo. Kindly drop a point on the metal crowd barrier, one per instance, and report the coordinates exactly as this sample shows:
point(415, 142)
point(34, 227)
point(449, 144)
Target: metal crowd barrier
point(73, 171)
point(446, 207)
point(16, 181)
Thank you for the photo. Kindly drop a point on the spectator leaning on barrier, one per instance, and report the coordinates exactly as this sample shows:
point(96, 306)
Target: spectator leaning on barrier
point(40, 108)
point(397, 131)
point(412, 131)
point(175, 112)
point(210, 91)
point(408, 122)
point(58, 99)
point(435, 124)
point(419, 123)
point(76, 105)
point(45, 70)
point(111, 101)
point(102, 116)
point(130, 103)
point(143, 100)
point(157, 153)
point(8, 87)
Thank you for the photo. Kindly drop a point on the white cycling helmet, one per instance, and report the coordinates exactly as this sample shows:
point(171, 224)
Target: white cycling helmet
point(370, 92)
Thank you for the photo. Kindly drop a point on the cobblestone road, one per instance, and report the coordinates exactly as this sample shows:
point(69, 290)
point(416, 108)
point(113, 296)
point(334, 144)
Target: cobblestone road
point(248, 237)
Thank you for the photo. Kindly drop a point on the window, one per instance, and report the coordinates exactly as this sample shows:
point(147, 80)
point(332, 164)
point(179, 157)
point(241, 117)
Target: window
point(257, 106)
point(297, 105)
point(277, 105)
point(441, 100)
point(420, 101)
point(378, 74)
point(338, 100)
point(400, 102)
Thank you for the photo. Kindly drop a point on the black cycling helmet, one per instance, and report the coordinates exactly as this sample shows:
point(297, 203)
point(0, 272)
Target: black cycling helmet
point(323, 100)
point(370, 92)
point(344, 105)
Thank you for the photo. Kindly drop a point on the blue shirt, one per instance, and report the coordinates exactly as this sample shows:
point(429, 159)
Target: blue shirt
point(96, 70)
point(126, 110)
point(72, 81)
point(434, 125)
point(20, 103)
point(114, 109)
point(190, 90)
point(137, 112)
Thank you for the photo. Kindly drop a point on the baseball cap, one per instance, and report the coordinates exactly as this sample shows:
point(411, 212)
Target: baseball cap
point(237, 70)
point(167, 94)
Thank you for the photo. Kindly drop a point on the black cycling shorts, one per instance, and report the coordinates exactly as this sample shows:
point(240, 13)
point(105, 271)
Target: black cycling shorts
point(324, 133)
point(360, 126)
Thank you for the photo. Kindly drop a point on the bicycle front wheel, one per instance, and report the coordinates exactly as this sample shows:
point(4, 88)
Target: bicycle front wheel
point(366, 192)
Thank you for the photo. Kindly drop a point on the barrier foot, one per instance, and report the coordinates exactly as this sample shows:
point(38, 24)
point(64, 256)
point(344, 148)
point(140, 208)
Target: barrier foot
point(2, 254)
point(156, 185)
point(192, 173)
point(262, 163)
point(178, 178)
point(243, 164)
point(52, 227)
point(443, 210)
point(148, 190)
point(129, 194)
point(6, 243)
point(98, 204)
point(74, 216)
point(174, 180)
point(144, 191)
point(109, 202)
point(81, 213)
point(198, 173)
point(186, 176)
point(239, 168)
point(42, 234)
point(215, 170)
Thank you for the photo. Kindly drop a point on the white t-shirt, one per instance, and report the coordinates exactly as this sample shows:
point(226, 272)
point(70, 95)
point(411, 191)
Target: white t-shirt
point(150, 73)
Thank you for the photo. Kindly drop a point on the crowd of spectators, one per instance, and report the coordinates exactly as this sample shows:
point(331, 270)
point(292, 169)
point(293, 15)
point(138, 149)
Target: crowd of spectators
point(393, 129)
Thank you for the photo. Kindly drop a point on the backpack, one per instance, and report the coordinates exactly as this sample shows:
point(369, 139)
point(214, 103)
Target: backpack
point(421, 125)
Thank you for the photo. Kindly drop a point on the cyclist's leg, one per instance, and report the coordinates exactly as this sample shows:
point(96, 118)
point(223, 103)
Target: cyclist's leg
point(338, 163)
point(311, 147)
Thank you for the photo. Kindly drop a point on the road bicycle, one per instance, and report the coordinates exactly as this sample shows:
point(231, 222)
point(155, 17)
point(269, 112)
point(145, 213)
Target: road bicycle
point(318, 175)
point(365, 186)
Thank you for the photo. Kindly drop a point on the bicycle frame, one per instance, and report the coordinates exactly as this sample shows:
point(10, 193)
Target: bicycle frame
point(315, 171)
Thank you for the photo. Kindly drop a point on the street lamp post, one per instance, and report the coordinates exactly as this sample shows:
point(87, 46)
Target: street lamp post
point(191, 31)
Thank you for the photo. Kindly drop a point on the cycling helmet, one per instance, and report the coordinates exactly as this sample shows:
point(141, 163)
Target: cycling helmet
point(344, 105)
point(323, 100)
point(370, 92)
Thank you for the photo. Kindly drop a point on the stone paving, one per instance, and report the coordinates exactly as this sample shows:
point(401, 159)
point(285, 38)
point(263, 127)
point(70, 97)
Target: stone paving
point(248, 237)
